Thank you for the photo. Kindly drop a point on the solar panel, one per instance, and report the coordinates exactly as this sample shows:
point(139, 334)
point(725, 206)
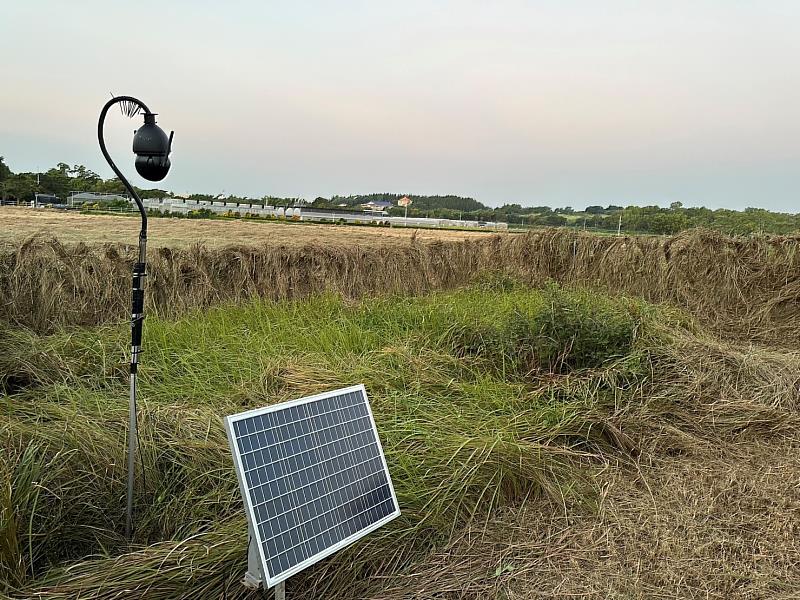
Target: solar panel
point(313, 477)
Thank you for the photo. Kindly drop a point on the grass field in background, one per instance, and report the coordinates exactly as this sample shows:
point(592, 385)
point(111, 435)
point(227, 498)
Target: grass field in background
point(69, 227)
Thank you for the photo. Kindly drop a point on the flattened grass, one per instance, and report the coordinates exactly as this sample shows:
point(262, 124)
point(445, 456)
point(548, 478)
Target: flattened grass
point(484, 398)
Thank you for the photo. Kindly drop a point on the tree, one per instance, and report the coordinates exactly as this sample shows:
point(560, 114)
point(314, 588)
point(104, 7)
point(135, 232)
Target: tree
point(20, 186)
point(676, 205)
point(110, 186)
point(594, 210)
point(5, 172)
point(83, 178)
point(550, 220)
point(56, 181)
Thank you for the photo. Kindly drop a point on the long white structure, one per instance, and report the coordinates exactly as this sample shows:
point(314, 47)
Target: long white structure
point(181, 206)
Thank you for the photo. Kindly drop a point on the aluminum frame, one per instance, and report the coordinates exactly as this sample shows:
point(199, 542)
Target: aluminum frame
point(249, 509)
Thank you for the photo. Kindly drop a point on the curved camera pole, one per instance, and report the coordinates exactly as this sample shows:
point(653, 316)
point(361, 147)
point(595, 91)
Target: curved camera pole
point(131, 107)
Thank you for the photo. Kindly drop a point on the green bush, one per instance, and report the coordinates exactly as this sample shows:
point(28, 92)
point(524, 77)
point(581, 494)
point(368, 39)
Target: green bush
point(581, 330)
point(561, 331)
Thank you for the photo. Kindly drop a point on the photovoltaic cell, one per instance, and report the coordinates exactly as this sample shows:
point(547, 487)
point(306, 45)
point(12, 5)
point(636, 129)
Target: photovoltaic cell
point(313, 477)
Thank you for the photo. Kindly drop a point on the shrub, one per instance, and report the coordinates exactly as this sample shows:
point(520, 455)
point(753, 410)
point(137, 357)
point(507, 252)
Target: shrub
point(580, 330)
point(560, 332)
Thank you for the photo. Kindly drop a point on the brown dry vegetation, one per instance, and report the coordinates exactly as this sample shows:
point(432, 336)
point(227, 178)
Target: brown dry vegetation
point(697, 492)
point(22, 223)
point(706, 504)
point(711, 524)
point(748, 288)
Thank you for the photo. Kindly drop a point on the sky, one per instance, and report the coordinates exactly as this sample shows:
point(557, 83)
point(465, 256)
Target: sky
point(562, 102)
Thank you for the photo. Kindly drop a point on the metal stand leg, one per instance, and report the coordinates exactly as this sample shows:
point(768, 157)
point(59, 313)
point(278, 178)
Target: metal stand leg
point(137, 316)
point(253, 579)
point(132, 443)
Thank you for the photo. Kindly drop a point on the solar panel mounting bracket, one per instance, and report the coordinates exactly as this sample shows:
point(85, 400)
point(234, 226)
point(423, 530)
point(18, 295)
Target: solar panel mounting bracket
point(253, 579)
point(280, 591)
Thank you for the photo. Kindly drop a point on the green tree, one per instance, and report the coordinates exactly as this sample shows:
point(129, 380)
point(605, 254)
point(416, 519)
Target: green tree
point(56, 181)
point(5, 172)
point(550, 220)
point(83, 178)
point(20, 187)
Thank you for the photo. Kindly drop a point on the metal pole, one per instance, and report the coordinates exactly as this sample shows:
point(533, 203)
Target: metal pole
point(137, 309)
point(137, 318)
point(280, 591)
point(132, 448)
point(619, 225)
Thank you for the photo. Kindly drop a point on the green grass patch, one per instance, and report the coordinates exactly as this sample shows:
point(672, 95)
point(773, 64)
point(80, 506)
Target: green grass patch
point(483, 398)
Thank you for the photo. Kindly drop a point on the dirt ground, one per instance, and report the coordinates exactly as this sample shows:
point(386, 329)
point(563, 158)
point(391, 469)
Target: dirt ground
point(21, 223)
point(720, 524)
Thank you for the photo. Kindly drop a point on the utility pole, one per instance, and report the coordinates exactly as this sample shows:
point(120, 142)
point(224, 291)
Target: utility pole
point(619, 225)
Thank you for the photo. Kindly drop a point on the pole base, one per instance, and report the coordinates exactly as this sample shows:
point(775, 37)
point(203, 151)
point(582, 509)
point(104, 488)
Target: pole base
point(251, 582)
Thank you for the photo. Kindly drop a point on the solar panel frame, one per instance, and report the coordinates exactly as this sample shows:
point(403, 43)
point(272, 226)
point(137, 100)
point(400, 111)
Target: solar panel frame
point(250, 510)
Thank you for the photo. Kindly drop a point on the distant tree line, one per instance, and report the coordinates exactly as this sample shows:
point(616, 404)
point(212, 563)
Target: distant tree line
point(419, 203)
point(62, 179)
point(657, 220)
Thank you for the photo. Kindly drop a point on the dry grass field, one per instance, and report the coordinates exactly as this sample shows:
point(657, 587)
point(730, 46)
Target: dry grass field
point(565, 415)
point(22, 223)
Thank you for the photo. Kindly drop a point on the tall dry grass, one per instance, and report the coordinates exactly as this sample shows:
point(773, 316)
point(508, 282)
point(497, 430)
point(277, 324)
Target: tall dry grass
point(742, 286)
point(747, 287)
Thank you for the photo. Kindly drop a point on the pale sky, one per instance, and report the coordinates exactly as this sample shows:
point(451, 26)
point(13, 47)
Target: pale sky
point(560, 102)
